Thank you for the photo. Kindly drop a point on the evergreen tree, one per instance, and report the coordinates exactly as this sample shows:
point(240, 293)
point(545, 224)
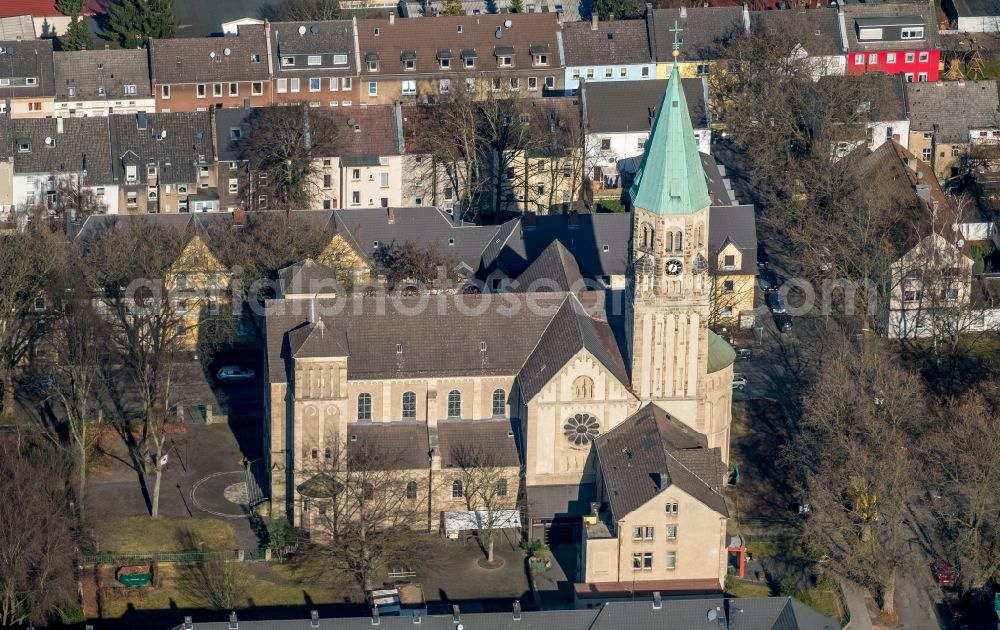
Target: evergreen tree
point(131, 22)
point(77, 35)
point(517, 6)
point(452, 7)
point(70, 8)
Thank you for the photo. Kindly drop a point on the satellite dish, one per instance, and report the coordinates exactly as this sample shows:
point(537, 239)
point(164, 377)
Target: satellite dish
point(314, 29)
point(508, 24)
point(713, 614)
point(211, 55)
point(350, 122)
point(163, 134)
point(302, 30)
point(48, 141)
point(498, 33)
point(227, 51)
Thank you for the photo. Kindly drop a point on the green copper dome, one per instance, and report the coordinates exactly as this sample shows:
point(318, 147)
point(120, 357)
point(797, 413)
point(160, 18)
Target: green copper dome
point(671, 179)
point(720, 354)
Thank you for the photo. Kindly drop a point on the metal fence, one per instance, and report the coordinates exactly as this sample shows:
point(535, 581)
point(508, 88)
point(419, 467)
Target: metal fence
point(178, 557)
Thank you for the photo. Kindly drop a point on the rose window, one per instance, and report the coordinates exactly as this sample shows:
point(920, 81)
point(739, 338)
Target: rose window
point(581, 429)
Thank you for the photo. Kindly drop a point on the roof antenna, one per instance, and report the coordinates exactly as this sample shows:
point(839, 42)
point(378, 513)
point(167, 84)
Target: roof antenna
point(312, 310)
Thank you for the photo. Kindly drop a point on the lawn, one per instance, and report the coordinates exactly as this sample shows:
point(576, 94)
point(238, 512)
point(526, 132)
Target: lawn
point(138, 534)
point(764, 495)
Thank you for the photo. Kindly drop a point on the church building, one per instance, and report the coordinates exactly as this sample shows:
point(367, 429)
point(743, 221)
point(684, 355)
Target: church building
point(610, 407)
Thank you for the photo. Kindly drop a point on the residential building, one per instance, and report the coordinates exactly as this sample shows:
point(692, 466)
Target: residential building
point(426, 180)
point(947, 119)
point(363, 168)
point(615, 50)
point(418, 60)
point(815, 33)
point(164, 162)
point(662, 488)
point(102, 82)
point(620, 115)
point(973, 16)
point(48, 20)
point(732, 245)
point(894, 38)
point(314, 63)
point(54, 152)
point(6, 168)
point(195, 73)
point(336, 365)
point(27, 82)
point(703, 36)
point(876, 112)
point(644, 610)
point(570, 11)
point(237, 182)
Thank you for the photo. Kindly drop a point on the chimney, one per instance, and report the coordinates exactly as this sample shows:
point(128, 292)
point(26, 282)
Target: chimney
point(593, 21)
point(657, 601)
point(313, 618)
point(59, 125)
point(233, 623)
point(517, 610)
point(392, 17)
point(684, 13)
point(456, 614)
point(912, 163)
point(375, 619)
point(391, 215)
point(188, 625)
point(107, 46)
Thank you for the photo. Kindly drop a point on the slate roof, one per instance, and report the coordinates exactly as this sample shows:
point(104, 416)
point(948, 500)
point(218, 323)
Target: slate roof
point(926, 11)
point(651, 451)
point(88, 70)
point(398, 445)
point(331, 37)
point(31, 59)
point(492, 436)
point(363, 132)
point(718, 184)
point(193, 221)
point(706, 31)
point(624, 106)
point(6, 139)
point(974, 8)
point(188, 144)
point(190, 60)
point(735, 224)
point(428, 36)
point(227, 119)
point(82, 146)
point(683, 613)
point(571, 330)
point(555, 270)
point(817, 30)
point(426, 225)
point(318, 341)
point(953, 108)
point(613, 42)
point(308, 276)
point(373, 327)
point(885, 95)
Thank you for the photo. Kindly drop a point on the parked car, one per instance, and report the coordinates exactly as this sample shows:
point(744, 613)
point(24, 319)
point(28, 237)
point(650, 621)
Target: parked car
point(740, 382)
point(235, 374)
point(944, 574)
point(744, 354)
point(761, 256)
point(775, 303)
point(783, 322)
point(767, 281)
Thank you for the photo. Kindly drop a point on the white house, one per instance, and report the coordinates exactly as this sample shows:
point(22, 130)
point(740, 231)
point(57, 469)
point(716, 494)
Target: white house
point(973, 16)
point(616, 50)
point(102, 82)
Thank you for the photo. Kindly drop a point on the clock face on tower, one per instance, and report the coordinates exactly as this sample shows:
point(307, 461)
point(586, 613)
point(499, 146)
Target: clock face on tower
point(674, 267)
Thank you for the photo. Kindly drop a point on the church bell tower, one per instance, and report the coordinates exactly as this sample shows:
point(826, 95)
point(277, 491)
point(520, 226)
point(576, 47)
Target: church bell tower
point(668, 281)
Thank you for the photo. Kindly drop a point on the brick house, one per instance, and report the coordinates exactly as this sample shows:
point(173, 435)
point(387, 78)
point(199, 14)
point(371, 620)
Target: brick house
point(27, 83)
point(894, 38)
point(417, 60)
point(194, 74)
point(314, 63)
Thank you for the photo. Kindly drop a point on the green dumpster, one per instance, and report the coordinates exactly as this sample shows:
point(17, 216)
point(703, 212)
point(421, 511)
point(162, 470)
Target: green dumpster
point(136, 579)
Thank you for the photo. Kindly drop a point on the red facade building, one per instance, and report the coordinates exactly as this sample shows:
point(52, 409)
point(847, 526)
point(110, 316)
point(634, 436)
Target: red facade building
point(898, 38)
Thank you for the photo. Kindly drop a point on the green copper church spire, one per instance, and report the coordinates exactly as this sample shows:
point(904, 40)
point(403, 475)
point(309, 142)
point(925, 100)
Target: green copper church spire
point(671, 179)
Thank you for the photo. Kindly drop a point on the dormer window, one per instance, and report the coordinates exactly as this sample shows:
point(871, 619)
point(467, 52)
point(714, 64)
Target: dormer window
point(287, 61)
point(444, 59)
point(912, 32)
point(130, 90)
point(131, 174)
point(24, 146)
point(71, 91)
point(409, 58)
point(372, 60)
point(340, 60)
point(505, 55)
point(470, 58)
point(314, 60)
point(540, 54)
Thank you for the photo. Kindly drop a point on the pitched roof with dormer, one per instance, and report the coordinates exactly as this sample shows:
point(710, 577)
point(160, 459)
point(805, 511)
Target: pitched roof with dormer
point(65, 145)
point(27, 66)
point(888, 18)
point(671, 179)
point(612, 42)
point(177, 144)
point(240, 57)
point(99, 74)
point(301, 42)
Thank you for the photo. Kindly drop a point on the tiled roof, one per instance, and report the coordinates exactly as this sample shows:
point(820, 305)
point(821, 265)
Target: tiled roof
point(427, 37)
point(187, 222)
point(227, 119)
point(204, 59)
point(554, 270)
point(395, 445)
point(87, 70)
point(493, 436)
point(31, 60)
point(368, 131)
point(883, 95)
point(45, 8)
point(705, 32)
point(623, 106)
point(301, 39)
point(974, 8)
point(737, 225)
point(6, 139)
point(651, 451)
point(177, 143)
point(82, 146)
point(926, 12)
point(570, 331)
point(308, 276)
point(612, 42)
point(953, 108)
point(817, 30)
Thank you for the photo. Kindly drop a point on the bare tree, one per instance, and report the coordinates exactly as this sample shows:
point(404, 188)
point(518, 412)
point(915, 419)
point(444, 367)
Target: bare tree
point(490, 488)
point(559, 155)
point(310, 10)
point(36, 565)
point(28, 262)
point(410, 263)
point(863, 419)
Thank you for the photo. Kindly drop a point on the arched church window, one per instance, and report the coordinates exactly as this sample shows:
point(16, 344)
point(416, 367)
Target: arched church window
point(501, 487)
point(364, 406)
point(678, 241)
point(454, 404)
point(583, 388)
point(409, 406)
point(647, 236)
point(456, 489)
point(581, 429)
point(499, 402)
point(669, 244)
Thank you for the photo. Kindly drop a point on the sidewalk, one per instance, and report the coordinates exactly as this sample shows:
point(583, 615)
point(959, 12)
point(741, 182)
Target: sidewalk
point(854, 596)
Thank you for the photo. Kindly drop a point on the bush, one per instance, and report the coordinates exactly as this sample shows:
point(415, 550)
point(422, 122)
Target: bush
point(533, 547)
point(70, 615)
point(218, 584)
point(280, 535)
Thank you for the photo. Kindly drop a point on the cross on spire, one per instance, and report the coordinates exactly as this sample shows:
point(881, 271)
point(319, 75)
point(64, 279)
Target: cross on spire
point(676, 30)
